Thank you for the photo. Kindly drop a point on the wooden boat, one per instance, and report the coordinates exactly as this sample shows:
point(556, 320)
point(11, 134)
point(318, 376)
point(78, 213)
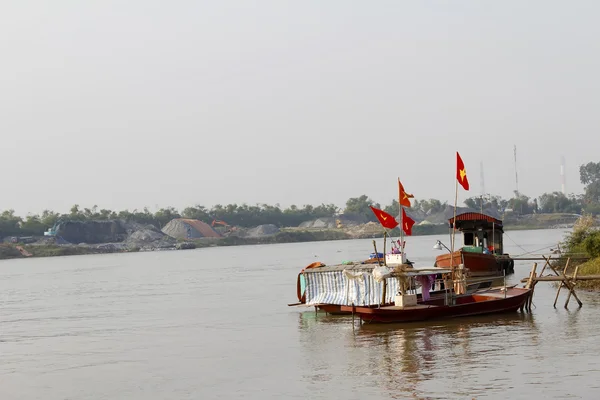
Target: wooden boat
point(331, 292)
point(482, 252)
point(491, 301)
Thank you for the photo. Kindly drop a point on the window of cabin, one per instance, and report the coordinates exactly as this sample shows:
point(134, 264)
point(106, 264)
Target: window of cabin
point(468, 237)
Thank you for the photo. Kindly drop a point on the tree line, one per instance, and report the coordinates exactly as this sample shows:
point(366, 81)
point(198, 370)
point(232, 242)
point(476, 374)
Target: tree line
point(245, 215)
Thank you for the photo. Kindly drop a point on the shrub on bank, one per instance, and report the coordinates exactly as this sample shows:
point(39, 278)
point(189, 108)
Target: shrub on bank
point(583, 240)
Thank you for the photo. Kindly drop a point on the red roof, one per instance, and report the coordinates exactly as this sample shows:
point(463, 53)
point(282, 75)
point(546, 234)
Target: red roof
point(473, 216)
point(201, 227)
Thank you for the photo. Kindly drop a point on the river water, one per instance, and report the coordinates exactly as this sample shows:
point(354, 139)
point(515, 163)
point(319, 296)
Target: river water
point(214, 324)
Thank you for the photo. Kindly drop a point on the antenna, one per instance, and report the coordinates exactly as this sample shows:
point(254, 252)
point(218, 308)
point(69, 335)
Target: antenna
point(482, 181)
point(516, 176)
point(562, 176)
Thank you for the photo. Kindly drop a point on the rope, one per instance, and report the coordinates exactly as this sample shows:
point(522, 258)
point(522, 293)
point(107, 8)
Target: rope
point(524, 249)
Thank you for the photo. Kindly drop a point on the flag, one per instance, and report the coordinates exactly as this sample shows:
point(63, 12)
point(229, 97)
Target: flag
point(407, 223)
point(384, 218)
point(461, 172)
point(403, 197)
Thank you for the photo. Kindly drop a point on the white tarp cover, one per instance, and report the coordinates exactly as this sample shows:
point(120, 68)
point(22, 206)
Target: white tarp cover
point(347, 287)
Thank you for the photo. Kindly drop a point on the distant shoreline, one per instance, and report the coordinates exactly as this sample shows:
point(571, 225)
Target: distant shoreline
point(286, 235)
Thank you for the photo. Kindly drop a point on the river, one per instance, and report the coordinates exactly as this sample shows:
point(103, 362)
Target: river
point(214, 323)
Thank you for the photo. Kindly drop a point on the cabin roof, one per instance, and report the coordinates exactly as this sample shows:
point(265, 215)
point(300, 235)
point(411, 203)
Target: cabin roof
point(475, 218)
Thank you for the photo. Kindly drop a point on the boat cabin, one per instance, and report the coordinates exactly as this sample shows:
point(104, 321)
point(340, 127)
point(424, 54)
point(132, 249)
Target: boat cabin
point(481, 233)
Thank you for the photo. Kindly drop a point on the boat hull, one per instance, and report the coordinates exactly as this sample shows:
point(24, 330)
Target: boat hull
point(478, 264)
point(336, 309)
point(484, 302)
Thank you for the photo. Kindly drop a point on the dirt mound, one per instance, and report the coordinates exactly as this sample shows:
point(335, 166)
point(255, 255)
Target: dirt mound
point(262, 230)
point(370, 229)
point(319, 223)
point(91, 231)
point(149, 238)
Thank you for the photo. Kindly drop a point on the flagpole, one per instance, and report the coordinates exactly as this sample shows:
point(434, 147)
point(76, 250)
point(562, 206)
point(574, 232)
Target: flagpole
point(401, 223)
point(453, 228)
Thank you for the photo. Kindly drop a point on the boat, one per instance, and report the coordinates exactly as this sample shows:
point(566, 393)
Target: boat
point(482, 251)
point(329, 287)
point(489, 301)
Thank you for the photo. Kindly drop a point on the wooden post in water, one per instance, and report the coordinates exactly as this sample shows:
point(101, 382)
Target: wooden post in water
point(573, 284)
point(568, 284)
point(530, 285)
point(562, 282)
point(531, 274)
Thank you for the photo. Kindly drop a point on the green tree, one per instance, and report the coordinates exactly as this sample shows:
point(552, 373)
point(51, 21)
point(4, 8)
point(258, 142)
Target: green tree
point(393, 209)
point(32, 225)
point(360, 206)
point(520, 204)
point(164, 215)
point(430, 206)
point(557, 202)
point(10, 224)
point(197, 212)
point(49, 218)
point(589, 175)
point(488, 201)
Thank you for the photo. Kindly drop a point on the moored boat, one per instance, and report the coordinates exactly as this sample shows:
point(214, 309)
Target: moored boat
point(482, 252)
point(328, 288)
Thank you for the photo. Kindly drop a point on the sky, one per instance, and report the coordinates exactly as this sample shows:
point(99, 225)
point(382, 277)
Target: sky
point(152, 103)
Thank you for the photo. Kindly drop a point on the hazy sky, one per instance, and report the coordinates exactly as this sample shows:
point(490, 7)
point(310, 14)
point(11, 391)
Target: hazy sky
point(127, 104)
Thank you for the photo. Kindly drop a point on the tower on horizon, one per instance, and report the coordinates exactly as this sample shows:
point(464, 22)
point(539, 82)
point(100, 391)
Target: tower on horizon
point(516, 176)
point(562, 176)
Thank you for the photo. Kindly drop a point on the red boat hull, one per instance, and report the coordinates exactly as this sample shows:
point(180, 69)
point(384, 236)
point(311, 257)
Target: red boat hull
point(486, 302)
point(335, 309)
point(478, 264)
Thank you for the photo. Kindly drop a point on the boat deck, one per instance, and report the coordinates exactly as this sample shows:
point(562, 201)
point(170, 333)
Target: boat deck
point(418, 306)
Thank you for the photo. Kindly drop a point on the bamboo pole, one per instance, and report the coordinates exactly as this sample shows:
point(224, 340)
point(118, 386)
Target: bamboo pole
point(558, 292)
point(531, 274)
point(376, 254)
point(530, 285)
point(570, 292)
point(543, 269)
point(570, 287)
point(547, 258)
point(559, 279)
point(384, 242)
point(562, 282)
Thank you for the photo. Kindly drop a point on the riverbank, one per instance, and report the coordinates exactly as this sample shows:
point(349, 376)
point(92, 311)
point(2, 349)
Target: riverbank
point(285, 235)
point(582, 241)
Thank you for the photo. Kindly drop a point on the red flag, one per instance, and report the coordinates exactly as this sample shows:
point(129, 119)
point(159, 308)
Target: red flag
point(407, 223)
point(403, 197)
point(461, 172)
point(384, 218)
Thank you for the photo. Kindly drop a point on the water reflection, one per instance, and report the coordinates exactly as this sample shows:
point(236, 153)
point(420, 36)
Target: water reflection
point(405, 359)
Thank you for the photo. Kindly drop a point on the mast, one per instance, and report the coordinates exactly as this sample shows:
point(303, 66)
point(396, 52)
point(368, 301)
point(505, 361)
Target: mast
point(482, 184)
point(453, 229)
point(401, 223)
